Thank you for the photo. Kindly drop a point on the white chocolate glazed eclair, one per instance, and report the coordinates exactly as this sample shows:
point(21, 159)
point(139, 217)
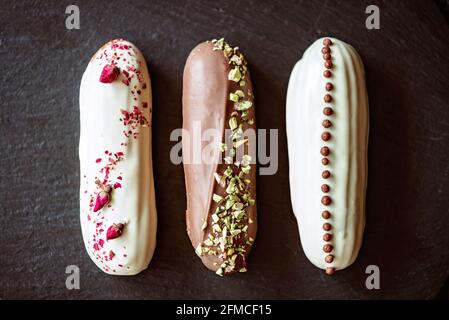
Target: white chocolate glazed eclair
point(327, 131)
point(117, 201)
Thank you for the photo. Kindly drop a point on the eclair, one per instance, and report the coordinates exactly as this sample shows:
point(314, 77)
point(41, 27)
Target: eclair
point(221, 190)
point(327, 133)
point(117, 198)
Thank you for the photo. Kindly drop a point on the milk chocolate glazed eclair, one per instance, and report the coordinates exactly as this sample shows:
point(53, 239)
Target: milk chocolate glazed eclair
point(327, 131)
point(117, 201)
point(221, 206)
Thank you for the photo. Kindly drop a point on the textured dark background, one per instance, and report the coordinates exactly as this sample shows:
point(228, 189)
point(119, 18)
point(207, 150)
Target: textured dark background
point(407, 203)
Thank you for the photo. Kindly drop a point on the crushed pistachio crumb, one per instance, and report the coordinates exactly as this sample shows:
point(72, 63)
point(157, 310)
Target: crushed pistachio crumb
point(220, 272)
point(199, 250)
point(244, 105)
point(235, 74)
point(217, 198)
point(233, 123)
point(230, 219)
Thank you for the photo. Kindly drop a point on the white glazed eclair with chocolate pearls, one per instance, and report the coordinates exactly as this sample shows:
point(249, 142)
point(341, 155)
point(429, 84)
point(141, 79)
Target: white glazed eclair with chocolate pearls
point(327, 132)
point(117, 200)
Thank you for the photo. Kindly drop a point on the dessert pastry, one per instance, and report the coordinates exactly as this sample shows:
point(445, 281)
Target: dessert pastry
point(327, 131)
point(221, 185)
point(117, 201)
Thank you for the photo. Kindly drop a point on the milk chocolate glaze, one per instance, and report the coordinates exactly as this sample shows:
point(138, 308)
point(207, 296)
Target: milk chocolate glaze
point(221, 207)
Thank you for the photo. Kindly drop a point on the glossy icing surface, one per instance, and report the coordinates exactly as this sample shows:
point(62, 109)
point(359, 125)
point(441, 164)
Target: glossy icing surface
point(348, 152)
point(206, 92)
point(115, 151)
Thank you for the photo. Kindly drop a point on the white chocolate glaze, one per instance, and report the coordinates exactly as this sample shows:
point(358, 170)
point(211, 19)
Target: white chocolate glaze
point(104, 139)
point(348, 151)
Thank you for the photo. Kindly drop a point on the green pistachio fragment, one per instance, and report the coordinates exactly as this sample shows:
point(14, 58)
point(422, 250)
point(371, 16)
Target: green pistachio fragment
point(244, 105)
point(199, 250)
point(234, 97)
point(235, 74)
point(220, 272)
point(233, 123)
point(223, 147)
point(217, 198)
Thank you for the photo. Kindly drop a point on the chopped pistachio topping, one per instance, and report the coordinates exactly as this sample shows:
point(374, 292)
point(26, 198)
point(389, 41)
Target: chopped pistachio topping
point(223, 147)
point(216, 228)
point(221, 180)
point(233, 123)
point(220, 272)
point(244, 105)
point(246, 169)
point(230, 220)
point(246, 159)
point(236, 96)
point(199, 250)
point(228, 160)
point(235, 74)
point(217, 198)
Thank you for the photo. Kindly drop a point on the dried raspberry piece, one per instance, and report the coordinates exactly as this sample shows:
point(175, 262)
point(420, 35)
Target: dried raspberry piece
point(114, 231)
point(109, 74)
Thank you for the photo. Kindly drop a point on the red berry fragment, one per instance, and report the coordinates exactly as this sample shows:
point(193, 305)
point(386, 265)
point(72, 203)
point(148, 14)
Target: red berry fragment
point(103, 196)
point(114, 231)
point(109, 74)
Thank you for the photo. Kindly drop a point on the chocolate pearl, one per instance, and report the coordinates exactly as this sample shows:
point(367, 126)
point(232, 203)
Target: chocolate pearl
point(326, 200)
point(330, 271)
point(327, 42)
point(327, 237)
point(325, 151)
point(325, 136)
point(328, 111)
point(326, 174)
point(327, 98)
point(328, 64)
point(325, 188)
point(327, 56)
point(327, 74)
point(328, 248)
point(329, 258)
point(326, 214)
point(327, 123)
point(326, 50)
point(329, 86)
point(325, 161)
point(327, 226)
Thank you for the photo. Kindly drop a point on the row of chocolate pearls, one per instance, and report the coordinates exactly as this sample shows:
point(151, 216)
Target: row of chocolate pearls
point(326, 136)
point(230, 221)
